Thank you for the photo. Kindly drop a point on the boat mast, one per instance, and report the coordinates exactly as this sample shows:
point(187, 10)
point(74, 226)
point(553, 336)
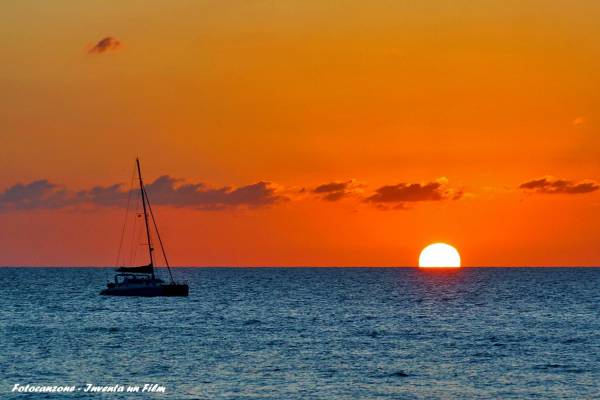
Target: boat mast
point(143, 192)
point(162, 247)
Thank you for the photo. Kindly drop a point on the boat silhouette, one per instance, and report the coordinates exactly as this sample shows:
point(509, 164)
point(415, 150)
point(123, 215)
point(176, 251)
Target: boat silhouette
point(142, 280)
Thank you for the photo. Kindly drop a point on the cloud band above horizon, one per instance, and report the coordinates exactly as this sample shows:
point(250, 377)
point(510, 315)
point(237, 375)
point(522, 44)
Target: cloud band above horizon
point(173, 192)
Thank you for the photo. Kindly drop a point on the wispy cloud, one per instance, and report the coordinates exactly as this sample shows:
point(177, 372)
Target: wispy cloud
point(402, 193)
point(108, 43)
point(334, 191)
point(549, 185)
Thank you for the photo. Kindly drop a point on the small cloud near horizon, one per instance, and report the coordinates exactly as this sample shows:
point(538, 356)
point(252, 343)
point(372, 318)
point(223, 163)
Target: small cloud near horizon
point(399, 194)
point(550, 185)
point(104, 45)
point(414, 192)
point(334, 191)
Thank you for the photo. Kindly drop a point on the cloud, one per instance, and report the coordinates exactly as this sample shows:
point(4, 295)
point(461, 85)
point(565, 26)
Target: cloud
point(332, 187)
point(165, 190)
point(103, 196)
point(551, 185)
point(414, 192)
point(107, 44)
point(335, 191)
point(36, 194)
point(173, 192)
point(168, 191)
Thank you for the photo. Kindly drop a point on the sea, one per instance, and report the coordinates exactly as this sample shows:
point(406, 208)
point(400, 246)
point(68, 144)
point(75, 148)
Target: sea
point(305, 333)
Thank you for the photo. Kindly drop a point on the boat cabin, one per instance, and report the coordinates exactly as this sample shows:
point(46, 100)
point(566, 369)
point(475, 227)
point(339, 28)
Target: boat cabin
point(133, 279)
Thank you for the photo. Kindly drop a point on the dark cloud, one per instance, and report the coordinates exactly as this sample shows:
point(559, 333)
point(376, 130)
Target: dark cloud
point(334, 196)
point(169, 191)
point(413, 192)
point(332, 187)
point(559, 186)
point(107, 44)
point(103, 196)
point(335, 191)
point(165, 190)
point(36, 194)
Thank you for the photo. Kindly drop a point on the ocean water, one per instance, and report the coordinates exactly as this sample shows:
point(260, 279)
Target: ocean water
point(308, 333)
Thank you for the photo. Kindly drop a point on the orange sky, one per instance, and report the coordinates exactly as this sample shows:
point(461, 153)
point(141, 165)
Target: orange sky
point(474, 98)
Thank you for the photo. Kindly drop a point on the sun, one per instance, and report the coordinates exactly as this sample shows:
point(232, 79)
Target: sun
point(439, 255)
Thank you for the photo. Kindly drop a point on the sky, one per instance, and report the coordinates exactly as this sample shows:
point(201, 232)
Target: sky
point(302, 133)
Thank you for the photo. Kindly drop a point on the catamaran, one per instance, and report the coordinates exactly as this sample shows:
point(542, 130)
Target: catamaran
point(142, 281)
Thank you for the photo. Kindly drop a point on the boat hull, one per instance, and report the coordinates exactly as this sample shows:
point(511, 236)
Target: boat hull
point(164, 290)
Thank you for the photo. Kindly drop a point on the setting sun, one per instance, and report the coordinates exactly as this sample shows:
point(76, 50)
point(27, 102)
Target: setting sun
point(439, 255)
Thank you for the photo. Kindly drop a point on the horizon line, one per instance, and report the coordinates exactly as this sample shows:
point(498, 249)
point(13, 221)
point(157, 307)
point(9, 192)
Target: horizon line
point(302, 266)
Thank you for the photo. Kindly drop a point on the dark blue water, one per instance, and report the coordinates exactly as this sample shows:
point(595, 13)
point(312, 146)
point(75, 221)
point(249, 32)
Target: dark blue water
point(309, 333)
